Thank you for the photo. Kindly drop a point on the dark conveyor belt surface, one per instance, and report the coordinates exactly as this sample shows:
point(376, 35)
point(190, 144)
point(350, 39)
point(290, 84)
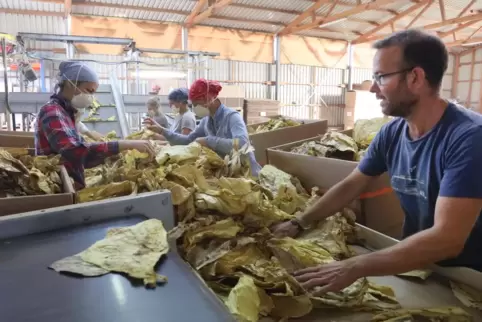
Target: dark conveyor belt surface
point(29, 291)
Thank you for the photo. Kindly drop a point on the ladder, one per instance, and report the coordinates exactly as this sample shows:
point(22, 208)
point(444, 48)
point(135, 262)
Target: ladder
point(108, 113)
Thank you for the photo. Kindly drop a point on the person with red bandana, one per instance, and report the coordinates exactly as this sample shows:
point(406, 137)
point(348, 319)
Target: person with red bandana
point(221, 129)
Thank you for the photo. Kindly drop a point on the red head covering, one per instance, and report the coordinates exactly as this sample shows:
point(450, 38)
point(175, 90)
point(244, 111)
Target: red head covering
point(203, 88)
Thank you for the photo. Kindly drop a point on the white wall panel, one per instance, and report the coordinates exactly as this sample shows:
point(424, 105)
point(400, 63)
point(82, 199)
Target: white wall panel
point(464, 73)
point(477, 72)
point(462, 91)
point(466, 58)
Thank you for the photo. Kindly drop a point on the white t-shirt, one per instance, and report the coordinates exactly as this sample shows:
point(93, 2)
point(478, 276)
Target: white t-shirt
point(184, 121)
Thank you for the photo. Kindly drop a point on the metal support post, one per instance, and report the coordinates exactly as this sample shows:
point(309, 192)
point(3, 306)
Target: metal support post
point(277, 56)
point(42, 76)
point(350, 66)
point(205, 60)
point(135, 56)
point(8, 111)
point(187, 57)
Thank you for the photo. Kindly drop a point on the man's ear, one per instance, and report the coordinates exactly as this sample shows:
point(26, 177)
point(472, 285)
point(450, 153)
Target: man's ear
point(417, 78)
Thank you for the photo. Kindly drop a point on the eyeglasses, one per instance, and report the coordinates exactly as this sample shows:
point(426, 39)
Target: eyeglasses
point(377, 78)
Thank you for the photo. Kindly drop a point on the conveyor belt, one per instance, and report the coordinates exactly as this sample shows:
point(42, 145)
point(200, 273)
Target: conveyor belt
point(29, 291)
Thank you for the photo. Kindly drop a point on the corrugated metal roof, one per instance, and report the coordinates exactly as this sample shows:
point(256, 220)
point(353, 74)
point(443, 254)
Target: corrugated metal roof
point(129, 13)
point(260, 15)
point(278, 4)
point(31, 5)
point(13, 24)
point(242, 25)
point(254, 14)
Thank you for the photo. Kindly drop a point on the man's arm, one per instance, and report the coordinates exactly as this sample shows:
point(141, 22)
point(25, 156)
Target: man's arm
point(239, 132)
point(444, 240)
point(337, 197)
point(457, 209)
point(179, 139)
point(344, 192)
point(372, 165)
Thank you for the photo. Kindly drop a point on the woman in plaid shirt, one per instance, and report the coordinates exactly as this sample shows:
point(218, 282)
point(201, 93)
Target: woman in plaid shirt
point(56, 131)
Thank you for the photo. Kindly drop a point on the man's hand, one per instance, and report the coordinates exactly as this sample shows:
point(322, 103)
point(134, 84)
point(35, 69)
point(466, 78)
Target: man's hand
point(285, 229)
point(202, 141)
point(153, 126)
point(330, 277)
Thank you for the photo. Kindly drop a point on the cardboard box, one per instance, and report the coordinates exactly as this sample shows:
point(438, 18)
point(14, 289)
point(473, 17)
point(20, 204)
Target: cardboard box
point(380, 206)
point(15, 205)
point(265, 140)
point(22, 140)
point(19, 133)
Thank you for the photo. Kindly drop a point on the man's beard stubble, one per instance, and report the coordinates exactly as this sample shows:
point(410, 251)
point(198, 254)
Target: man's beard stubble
point(403, 108)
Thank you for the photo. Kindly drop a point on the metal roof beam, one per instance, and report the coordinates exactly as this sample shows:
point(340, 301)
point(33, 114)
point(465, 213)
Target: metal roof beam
point(76, 39)
point(177, 52)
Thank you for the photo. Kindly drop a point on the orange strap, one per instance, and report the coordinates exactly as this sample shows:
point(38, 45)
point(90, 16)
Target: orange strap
point(381, 192)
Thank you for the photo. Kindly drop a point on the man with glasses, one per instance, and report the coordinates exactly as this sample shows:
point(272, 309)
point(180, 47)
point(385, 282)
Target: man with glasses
point(432, 152)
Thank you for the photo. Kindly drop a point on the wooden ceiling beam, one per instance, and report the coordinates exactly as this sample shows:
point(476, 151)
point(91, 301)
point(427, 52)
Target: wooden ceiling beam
point(449, 22)
point(187, 13)
point(390, 21)
point(456, 29)
point(464, 41)
point(350, 4)
point(307, 13)
point(419, 15)
point(197, 8)
point(467, 7)
point(343, 15)
point(67, 8)
point(210, 11)
point(441, 4)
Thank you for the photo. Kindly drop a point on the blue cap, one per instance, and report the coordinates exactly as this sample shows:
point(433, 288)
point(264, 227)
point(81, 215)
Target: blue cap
point(179, 95)
point(77, 72)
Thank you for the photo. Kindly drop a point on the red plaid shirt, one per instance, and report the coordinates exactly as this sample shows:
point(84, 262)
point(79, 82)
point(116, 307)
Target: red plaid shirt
point(56, 133)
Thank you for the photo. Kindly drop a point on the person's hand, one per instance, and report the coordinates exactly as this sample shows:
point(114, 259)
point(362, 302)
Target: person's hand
point(202, 141)
point(141, 146)
point(285, 229)
point(153, 126)
point(330, 277)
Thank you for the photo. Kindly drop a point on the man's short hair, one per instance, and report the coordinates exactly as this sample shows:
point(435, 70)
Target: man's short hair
point(420, 49)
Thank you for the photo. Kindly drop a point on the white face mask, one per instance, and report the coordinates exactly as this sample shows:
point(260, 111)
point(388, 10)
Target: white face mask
point(82, 101)
point(200, 111)
point(175, 110)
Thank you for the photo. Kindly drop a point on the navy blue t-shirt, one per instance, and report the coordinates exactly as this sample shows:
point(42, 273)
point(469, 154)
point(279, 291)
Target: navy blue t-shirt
point(444, 162)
